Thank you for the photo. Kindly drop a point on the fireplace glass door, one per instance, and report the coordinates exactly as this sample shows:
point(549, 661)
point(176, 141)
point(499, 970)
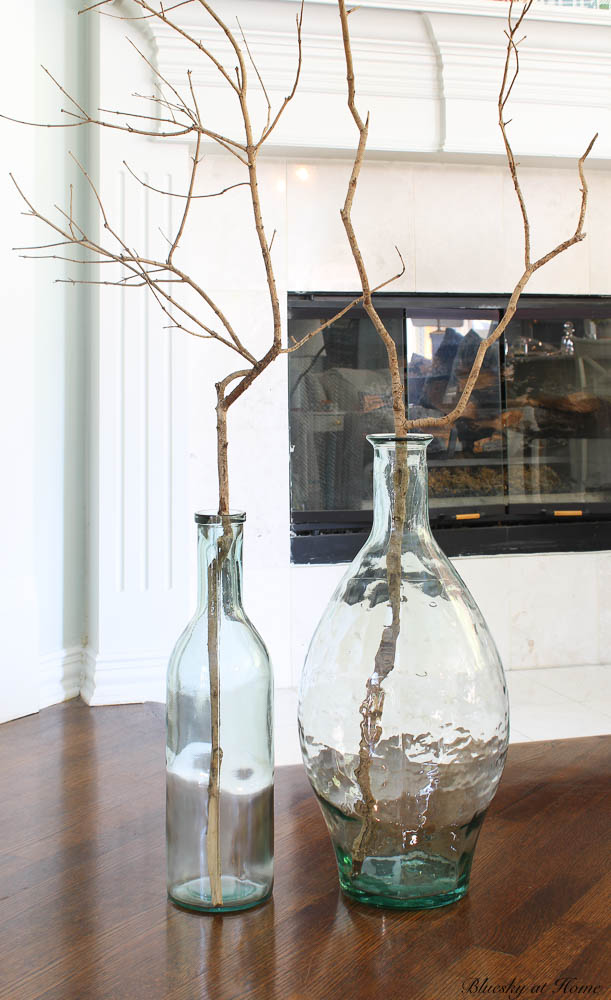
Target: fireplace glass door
point(557, 377)
point(339, 392)
point(466, 459)
point(533, 445)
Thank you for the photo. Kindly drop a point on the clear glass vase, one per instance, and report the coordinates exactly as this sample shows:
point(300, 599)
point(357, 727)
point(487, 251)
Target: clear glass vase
point(403, 710)
point(219, 754)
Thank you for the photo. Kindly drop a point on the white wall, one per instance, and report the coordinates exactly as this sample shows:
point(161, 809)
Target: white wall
point(544, 610)
point(43, 393)
point(146, 405)
point(18, 596)
point(459, 229)
point(61, 338)
point(458, 226)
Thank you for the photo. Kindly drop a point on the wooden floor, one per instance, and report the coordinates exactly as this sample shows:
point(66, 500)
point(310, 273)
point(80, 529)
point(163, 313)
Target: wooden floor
point(84, 915)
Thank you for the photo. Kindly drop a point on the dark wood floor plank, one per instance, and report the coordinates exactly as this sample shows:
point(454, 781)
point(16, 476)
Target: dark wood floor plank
point(84, 916)
point(594, 907)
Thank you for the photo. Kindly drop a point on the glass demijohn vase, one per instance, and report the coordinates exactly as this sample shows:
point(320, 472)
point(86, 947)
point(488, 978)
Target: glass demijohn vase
point(403, 710)
point(220, 833)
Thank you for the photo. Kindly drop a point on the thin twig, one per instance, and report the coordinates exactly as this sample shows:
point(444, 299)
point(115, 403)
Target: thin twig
point(178, 194)
point(185, 34)
point(140, 17)
point(355, 302)
point(259, 77)
point(157, 72)
point(183, 221)
point(241, 68)
point(194, 97)
point(287, 100)
point(504, 94)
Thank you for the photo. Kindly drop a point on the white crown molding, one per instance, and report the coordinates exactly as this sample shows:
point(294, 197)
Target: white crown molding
point(542, 11)
point(123, 679)
point(383, 67)
point(427, 64)
point(568, 77)
point(60, 675)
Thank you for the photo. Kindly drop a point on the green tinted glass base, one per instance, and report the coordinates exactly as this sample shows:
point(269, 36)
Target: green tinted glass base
point(238, 894)
point(416, 881)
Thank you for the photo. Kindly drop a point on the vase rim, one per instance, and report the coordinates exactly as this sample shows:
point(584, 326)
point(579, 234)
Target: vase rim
point(213, 517)
point(380, 439)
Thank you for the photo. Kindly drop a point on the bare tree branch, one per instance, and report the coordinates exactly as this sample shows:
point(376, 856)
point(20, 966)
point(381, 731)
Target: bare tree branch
point(123, 283)
point(22, 121)
point(259, 78)
point(189, 38)
point(166, 281)
point(371, 708)
point(178, 194)
point(355, 302)
point(124, 17)
point(241, 68)
point(193, 95)
point(270, 127)
point(136, 263)
point(93, 6)
point(397, 387)
point(183, 221)
point(131, 114)
point(530, 266)
point(155, 70)
point(504, 94)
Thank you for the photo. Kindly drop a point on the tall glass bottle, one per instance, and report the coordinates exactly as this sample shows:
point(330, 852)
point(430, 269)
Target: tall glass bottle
point(403, 711)
point(219, 754)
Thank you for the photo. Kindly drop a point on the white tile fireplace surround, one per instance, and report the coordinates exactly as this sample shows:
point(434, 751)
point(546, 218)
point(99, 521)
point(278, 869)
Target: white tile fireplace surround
point(547, 704)
point(435, 185)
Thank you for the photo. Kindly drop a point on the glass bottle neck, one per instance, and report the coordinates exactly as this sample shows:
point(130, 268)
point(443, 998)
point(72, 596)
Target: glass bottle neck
point(400, 463)
point(219, 553)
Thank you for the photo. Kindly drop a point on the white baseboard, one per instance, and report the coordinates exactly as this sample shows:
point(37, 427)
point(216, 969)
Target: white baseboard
point(60, 675)
point(123, 679)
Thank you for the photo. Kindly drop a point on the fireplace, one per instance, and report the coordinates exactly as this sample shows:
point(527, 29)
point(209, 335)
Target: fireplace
point(528, 466)
point(436, 182)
